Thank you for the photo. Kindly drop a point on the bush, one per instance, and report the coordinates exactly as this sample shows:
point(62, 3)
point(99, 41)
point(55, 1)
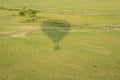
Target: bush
point(29, 11)
point(25, 11)
point(2, 8)
point(21, 14)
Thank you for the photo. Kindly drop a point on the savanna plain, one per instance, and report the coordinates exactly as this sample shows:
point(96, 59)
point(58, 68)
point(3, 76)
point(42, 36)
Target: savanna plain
point(89, 50)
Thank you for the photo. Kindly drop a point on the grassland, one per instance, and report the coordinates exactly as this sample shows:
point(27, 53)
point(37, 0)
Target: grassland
point(90, 51)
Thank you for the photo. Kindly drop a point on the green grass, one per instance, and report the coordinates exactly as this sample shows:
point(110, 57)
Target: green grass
point(83, 55)
point(90, 50)
point(64, 4)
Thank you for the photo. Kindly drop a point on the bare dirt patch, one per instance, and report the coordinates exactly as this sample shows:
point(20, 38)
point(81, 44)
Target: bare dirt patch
point(21, 32)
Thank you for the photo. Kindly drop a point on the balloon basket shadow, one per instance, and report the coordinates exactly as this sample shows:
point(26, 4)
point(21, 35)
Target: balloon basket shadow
point(56, 47)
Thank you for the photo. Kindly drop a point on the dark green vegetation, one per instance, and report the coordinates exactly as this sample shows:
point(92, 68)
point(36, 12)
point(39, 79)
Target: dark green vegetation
point(90, 51)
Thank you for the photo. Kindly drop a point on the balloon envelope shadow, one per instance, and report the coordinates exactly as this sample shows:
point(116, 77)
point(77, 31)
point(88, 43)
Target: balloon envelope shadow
point(56, 30)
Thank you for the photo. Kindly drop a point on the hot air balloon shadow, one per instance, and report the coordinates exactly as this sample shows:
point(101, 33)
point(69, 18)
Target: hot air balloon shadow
point(56, 30)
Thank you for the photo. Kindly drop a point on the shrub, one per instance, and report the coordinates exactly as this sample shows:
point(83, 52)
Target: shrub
point(21, 13)
point(2, 8)
point(27, 12)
